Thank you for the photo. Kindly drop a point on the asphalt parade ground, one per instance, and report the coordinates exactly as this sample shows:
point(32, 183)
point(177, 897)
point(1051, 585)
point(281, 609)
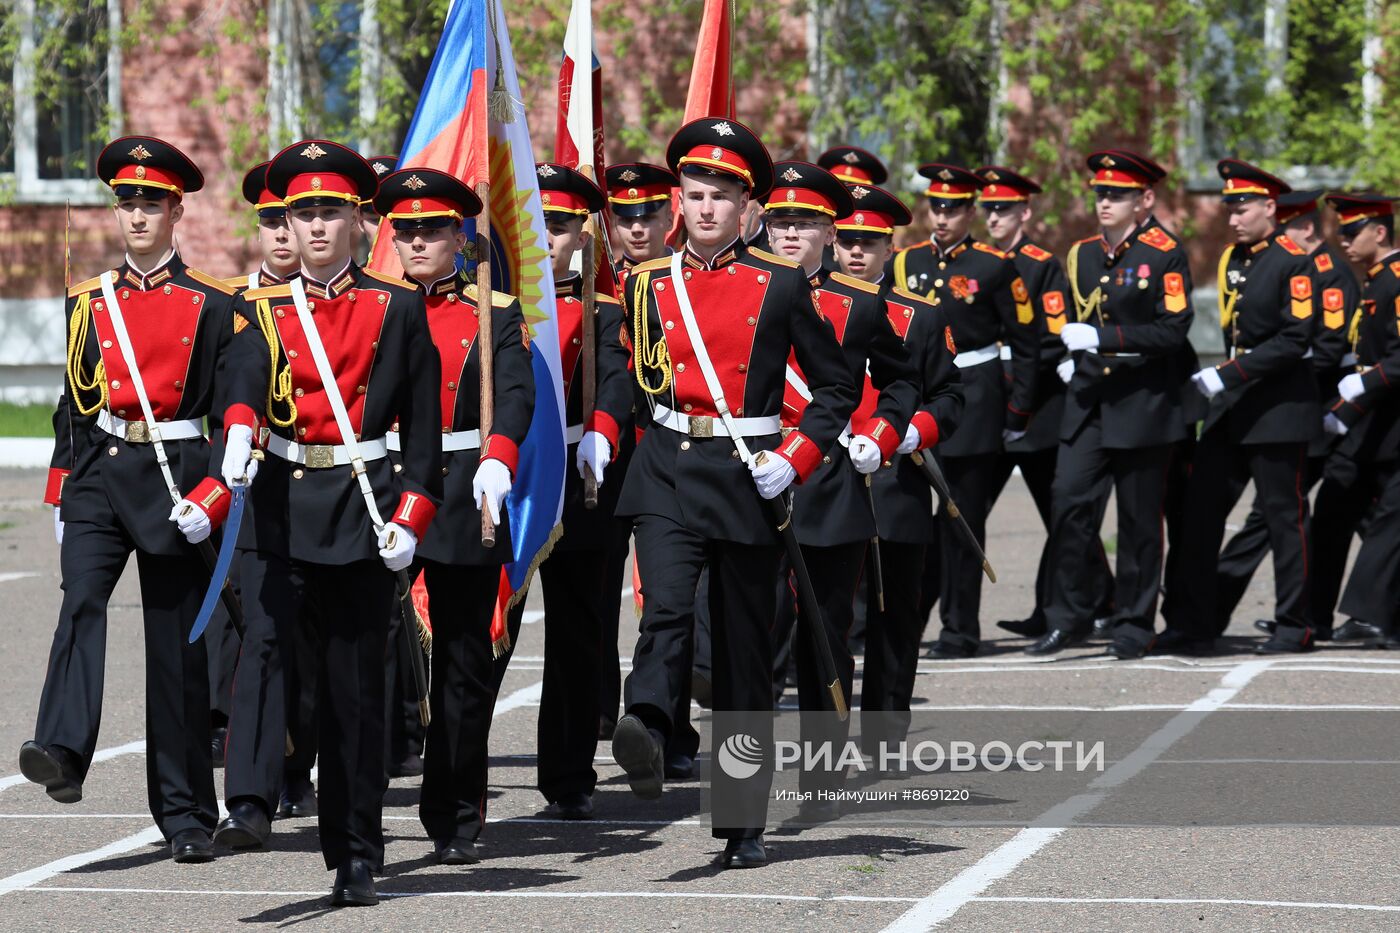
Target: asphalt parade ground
point(101, 864)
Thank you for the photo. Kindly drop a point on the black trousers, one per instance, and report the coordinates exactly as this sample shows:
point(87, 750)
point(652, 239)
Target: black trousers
point(301, 666)
point(179, 769)
point(1248, 547)
point(1219, 472)
point(573, 582)
point(1370, 593)
point(221, 645)
point(960, 596)
point(1139, 476)
point(352, 603)
point(741, 601)
point(891, 643)
point(403, 727)
point(1339, 513)
point(614, 582)
point(462, 694)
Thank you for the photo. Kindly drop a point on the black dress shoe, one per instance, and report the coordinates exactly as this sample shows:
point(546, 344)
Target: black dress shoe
point(744, 853)
point(1356, 630)
point(679, 767)
point(191, 846)
point(354, 885)
point(1266, 626)
point(1054, 641)
point(1033, 627)
point(638, 750)
point(1103, 627)
point(1130, 643)
point(410, 766)
point(298, 799)
point(456, 852)
point(218, 745)
point(1175, 641)
point(701, 690)
point(53, 766)
point(1287, 639)
point(245, 827)
point(573, 807)
point(948, 651)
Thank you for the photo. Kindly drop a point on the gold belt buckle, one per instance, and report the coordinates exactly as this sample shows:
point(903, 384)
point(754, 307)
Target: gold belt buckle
point(138, 432)
point(320, 456)
point(701, 426)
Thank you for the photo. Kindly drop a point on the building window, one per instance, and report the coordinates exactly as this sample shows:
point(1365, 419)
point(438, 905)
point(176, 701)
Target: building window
point(66, 100)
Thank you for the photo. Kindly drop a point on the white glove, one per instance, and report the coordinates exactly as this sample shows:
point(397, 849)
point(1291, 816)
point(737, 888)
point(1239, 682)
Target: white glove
point(192, 521)
point(492, 482)
point(1080, 337)
point(1351, 388)
point(238, 456)
point(773, 475)
point(1009, 436)
point(1331, 424)
point(1208, 382)
point(398, 554)
point(1065, 370)
point(865, 454)
point(57, 525)
point(911, 440)
point(594, 453)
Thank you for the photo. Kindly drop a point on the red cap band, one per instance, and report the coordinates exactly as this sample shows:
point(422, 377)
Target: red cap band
point(148, 176)
point(322, 185)
point(719, 159)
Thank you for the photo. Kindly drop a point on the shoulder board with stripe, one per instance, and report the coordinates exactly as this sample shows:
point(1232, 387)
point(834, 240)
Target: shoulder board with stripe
point(772, 257)
point(1289, 245)
point(386, 279)
point(237, 282)
point(1323, 262)
point(499, 299)
point(1031, 251)
point(909, 297)
point(989, 248)
point(602, 299)
point(1157, 239)
point(1395, 268)
point(91, 285)
point(272, 291)
point(1087, 239)
point(855, 283)
point(205, 279)
point(913, 246)
point(652, 265)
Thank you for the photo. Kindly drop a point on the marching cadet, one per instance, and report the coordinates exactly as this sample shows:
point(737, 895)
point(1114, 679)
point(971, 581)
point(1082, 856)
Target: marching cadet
point(853, 165)
point(425, 209)
point(331, 359)
point(1131, 287)
point(1006, 209)
point(574, 577)
point(144, 344)
point(990, 311)
point(713, 326)
point(1365, 414)
point(902, 497)
point(639, 199)
point(1263, 414)
point(832, 509)
point(1340, 296)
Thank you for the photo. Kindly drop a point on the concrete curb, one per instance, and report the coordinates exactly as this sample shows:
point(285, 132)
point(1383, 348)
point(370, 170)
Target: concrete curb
point(25, 451)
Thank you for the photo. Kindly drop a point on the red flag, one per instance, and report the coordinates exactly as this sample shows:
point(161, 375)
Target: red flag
point(711, 92)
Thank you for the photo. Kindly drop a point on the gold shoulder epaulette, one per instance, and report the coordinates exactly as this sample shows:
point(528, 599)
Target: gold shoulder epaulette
point(606, 299)
point(91, 285)
point(773, 257)
point(387, 279)
point(1289, 245)
point(499, 299)
point(909, 296)
point(652, 265)
point(271, 291)
point(1395, 268)
point(854, 282)
point(1031, 251)
point(989, 248)
point(204, 278)
point(237, 282)
point(914, 246)
point(1087, 239)
point(1157, 239)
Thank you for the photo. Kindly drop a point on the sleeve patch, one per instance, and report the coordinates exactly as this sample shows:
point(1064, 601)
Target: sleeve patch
point(1025, 314)
point(1054, 303)
point(525, 335)
point(1332, 299)
point(1018, 290)
point(239, 323)
point(1300, 287)
point(1175, 287)
point(1323, 261)
point(948, 339)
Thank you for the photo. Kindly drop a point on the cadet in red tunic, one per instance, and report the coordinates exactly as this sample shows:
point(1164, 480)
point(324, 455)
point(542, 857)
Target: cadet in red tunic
point(157, 328)
point(426, 209)
point(688, 486)
point(310, 535)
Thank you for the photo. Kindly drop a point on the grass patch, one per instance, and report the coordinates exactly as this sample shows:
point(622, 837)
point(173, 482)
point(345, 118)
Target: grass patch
point(1110, 545)
point(25, 420)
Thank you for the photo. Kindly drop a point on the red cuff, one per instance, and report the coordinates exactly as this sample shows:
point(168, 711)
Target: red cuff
point(502, 448)
point(883, 435)
point(928, 429)
point(1232, 373)
point(53, 490)
point(606, 425)
point(213, 499)
point(799, 450)
point(240, 414)
point(414, 512)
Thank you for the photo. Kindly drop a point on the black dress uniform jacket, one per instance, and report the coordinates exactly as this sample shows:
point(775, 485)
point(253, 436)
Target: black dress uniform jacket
point(377, 340)
point(612, 409)
point(1337, 295)
point(1374, 418)
point(1139, 297)
point(832, 507)
point(751, 307)
point(94, 474)
point(1266, 298)
point(454, 537)
point(986, 302)
point(1050, 298)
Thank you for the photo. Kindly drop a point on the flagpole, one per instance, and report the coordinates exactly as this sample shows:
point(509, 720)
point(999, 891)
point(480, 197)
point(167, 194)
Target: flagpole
point(484, 303)
point(590, 341)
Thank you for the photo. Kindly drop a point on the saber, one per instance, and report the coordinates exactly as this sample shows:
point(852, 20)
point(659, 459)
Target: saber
point(875, 563)
point(934, 474)
point(219, 567)
point(810, 611)
point(409, 626)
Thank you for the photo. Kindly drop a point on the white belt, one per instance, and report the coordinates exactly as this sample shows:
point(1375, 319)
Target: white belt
point(708, 426)
point(1005, 352)
point(138, 432)
point(451, 440)
point(324, 456)
point(978, 357)
point(1120, 355)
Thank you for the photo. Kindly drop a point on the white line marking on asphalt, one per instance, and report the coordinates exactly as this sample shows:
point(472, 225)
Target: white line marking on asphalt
point(106, 754)
point(1310, 905)
point(33, 876)
point(951, 897)
point(22, 575)
point(525, 696)
point(651, 895)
